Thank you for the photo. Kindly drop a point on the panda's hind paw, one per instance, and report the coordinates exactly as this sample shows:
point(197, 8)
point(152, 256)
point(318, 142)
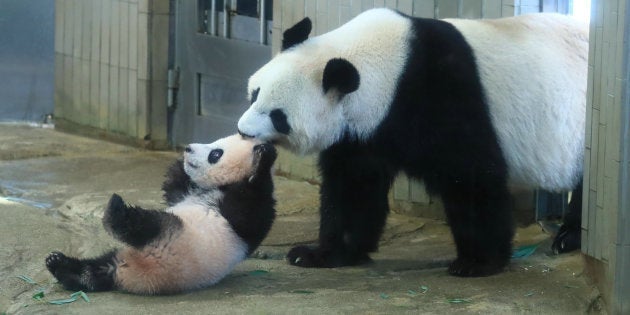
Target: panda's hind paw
point(471, 268)
point(54, 260)
point(62, 266)
point(568, 239)
point(316, 257)
point(304, 256)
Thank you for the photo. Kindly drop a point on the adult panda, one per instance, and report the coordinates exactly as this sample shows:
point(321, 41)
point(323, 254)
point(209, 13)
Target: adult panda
point(472, 107)
point(221, 207)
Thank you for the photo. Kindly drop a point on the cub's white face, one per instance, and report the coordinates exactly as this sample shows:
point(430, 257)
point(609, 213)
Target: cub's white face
point(222, 162)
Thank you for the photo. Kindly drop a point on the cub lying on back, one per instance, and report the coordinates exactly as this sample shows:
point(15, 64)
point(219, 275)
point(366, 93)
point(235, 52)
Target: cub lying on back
point(221, 206)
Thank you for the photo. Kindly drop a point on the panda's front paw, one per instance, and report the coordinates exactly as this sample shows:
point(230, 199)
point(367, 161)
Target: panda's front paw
point(462, 267)
point(265, 155)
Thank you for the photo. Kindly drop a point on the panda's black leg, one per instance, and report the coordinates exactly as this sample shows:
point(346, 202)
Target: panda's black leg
point(136, 226)
point(569, 235)
point(353, 209)
point(75, 274)
point(482, 227)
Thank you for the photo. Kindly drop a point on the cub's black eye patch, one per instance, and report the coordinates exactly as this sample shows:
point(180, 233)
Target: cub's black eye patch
point(279, 121)
point(215, 156)
point(254, 96)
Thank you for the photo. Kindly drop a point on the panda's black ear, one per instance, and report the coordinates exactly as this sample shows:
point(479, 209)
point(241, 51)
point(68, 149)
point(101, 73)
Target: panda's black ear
point(296, 34)
point(341, 75)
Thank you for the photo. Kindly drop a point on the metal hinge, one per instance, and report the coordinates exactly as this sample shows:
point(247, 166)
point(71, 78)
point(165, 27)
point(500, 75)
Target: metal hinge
point(173, 86)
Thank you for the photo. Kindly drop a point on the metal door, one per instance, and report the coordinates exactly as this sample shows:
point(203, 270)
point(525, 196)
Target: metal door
point(218, 45)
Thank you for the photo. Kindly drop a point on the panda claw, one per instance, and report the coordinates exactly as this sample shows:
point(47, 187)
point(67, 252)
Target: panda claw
point(54, 259)
point(470, 268)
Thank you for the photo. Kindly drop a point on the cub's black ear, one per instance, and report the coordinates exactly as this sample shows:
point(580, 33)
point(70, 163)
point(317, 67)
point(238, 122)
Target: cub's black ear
point(341, 75)
point(296, 34)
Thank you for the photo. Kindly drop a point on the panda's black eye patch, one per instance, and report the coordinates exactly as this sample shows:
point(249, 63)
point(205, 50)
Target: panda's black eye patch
point(254, 96)
point(279, 121)
point(215, 156)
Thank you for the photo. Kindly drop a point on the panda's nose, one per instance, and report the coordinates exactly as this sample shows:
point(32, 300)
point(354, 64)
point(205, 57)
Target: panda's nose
point(188, 149)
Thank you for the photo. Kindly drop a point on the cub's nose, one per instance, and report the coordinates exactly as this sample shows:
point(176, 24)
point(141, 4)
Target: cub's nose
point(188, 149)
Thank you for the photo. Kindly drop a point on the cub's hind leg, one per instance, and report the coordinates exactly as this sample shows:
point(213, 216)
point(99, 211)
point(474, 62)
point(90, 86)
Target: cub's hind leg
point(96, 274)
point(136, 226)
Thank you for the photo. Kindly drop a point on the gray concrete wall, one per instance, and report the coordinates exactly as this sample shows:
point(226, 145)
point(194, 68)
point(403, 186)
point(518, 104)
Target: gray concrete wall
point(111, 66)
point(606, 210)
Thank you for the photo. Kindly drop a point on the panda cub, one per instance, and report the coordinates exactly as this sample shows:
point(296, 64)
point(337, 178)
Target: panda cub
point(220, 207)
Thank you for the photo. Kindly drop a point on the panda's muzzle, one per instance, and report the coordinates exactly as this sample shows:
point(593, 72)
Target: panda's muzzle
point(188, 149)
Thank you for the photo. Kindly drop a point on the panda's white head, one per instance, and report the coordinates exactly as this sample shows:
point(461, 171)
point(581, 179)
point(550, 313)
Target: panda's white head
point(295, 97)
point(225, 161)
point(321, 89)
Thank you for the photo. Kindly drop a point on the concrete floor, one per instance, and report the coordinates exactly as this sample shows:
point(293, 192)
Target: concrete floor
point(53, 187)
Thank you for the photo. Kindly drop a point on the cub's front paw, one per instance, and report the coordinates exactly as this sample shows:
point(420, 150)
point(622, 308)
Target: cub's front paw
point(265, 154)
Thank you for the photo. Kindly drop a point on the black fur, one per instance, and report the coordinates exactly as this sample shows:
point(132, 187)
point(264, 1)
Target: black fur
point(438, 129)
point(177, 183)
point(135, 226)
point(279, 121)
point(74, 274)
point(569, 236)
point(249, 205)
point(341, 75)
point(296, 34)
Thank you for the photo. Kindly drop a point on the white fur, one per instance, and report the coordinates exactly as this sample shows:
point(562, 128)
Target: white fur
point(534, 70)
point(204, 251)
point(375, 42)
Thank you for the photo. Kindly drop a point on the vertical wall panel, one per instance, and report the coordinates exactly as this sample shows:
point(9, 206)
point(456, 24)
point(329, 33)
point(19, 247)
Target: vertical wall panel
point(447, 9)
point(103, 55)
point(77, 7)
point(114, 35)
point(106, 23)
point(471, 9)
point(59, 19)
point(607, 207)
point(424, 8)
point(86, 29)
point(405, 6)
point(68, 22)
point(114, 99)
point(123, 46)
